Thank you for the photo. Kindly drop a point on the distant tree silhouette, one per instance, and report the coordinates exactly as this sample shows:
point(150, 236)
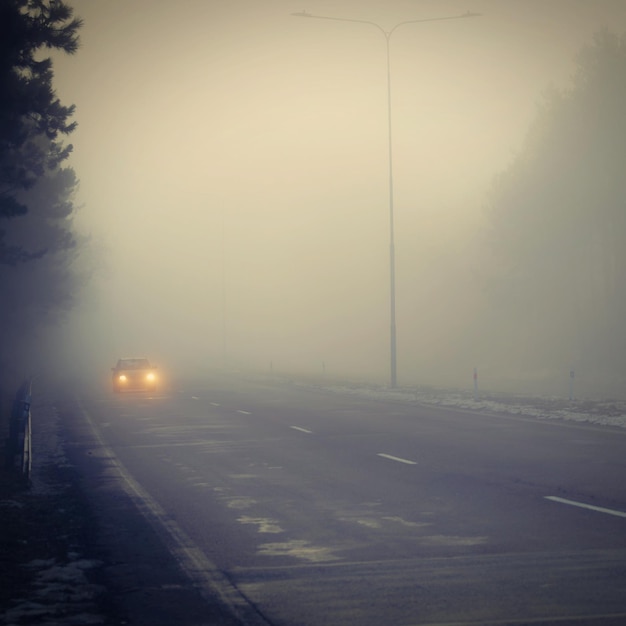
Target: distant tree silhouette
point(36, 292)
point(557, 221)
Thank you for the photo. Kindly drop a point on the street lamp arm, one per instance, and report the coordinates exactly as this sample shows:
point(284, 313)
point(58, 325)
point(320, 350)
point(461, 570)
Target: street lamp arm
point(341, 19)
point(433, 19)
point(386, 33)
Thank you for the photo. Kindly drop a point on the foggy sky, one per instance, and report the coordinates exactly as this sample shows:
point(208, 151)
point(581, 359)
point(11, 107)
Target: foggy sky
point(234, 173)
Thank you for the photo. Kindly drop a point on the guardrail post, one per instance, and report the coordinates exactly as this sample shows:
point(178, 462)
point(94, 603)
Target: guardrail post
point(19, 444)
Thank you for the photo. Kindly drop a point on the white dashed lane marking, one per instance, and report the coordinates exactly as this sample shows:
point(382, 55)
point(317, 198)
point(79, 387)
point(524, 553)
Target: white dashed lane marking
point(582, 505)
point(302, 430)
point(396, 458)
point(244, 412)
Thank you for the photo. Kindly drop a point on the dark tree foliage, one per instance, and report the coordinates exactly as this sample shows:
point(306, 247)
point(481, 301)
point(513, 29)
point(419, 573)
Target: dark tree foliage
point(558, 223)
point(38, 279)
point(32, 119)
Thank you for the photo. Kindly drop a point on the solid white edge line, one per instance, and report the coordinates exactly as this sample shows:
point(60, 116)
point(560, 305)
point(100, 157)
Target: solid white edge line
point(202, 572)
point(582, 505)
point(396, 458)
point(302, 430)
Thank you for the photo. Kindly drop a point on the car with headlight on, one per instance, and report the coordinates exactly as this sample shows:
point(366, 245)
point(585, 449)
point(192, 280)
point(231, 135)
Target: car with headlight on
point(134, 374)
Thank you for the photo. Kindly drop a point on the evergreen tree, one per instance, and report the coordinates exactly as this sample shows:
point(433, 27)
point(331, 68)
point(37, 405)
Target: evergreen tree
point(38, 279)
point(32, 119)
point(558, 223)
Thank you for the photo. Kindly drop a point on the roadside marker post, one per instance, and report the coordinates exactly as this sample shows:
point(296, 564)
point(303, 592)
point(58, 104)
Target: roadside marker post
point(475, 384)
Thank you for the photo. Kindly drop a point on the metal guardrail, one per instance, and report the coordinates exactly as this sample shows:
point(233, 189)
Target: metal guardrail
point(27, 450)
point(20, 455)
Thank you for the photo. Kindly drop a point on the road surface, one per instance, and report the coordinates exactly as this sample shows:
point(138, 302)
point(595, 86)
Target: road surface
point(293, 505)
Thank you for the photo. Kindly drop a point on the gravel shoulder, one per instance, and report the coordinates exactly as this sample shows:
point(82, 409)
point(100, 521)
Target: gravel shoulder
point(50, 562)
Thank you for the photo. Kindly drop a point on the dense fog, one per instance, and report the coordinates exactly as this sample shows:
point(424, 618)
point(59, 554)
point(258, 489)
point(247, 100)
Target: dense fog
point(233, 166)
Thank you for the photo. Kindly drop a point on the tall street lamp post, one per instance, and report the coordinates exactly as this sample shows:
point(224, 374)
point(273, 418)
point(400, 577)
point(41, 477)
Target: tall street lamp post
point(392, 252)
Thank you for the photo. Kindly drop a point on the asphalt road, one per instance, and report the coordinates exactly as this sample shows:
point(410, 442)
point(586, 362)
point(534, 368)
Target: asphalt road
point(280, 504)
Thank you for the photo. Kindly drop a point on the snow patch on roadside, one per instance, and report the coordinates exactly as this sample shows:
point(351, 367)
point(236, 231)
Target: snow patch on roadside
point(61, 595)
point(605, 413)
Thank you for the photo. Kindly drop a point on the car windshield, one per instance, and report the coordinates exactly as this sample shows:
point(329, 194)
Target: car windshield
point(133, 364)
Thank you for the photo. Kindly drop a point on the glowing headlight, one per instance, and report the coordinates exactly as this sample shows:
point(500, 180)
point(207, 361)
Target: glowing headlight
point(150, 377)
point(122, 378)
